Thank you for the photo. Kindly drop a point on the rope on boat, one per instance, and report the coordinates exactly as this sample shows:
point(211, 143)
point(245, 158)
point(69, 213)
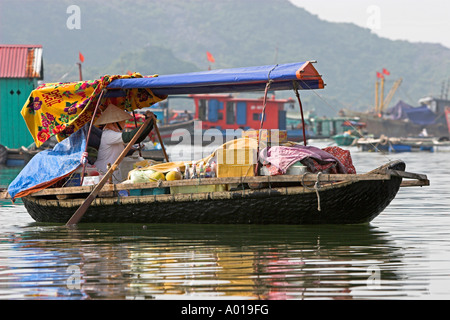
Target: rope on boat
point(263, 115)
point(316, 187)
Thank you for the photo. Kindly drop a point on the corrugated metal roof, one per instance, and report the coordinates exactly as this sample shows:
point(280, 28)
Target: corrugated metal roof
point(21, 61)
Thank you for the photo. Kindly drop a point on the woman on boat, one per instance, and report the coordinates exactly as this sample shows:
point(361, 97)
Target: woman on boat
point(114, 139)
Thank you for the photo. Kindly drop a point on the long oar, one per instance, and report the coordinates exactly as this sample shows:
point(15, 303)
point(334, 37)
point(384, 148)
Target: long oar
point(82, 209)
point(159, 137)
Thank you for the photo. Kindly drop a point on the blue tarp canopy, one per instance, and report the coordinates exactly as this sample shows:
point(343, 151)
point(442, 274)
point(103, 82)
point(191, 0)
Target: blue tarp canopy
point(229, 80)
point(398, 112)
point(421, 115)
point(48, 166)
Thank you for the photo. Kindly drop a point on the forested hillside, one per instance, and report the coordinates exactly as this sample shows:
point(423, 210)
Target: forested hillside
point(172, 36)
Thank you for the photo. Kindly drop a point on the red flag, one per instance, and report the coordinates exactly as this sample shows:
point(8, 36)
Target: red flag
point(210, 57)
point(386, 72)
point(81, 57)
point(380, 75)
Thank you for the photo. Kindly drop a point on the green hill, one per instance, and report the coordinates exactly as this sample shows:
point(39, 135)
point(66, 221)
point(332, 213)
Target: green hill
point(172, 36)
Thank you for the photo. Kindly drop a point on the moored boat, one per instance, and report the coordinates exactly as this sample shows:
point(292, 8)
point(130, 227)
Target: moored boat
point(308, 199)
point(344, 139)
point(409, 144)
point(327, 193)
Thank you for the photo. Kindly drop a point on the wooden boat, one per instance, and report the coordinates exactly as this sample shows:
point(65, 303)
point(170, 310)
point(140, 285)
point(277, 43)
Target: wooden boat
point(306, 199)
point(280, 199)
point(409, 144)
point(344, 139)
point(353, 130)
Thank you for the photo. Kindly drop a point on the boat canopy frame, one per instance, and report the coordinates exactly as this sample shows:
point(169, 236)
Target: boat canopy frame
point(301, 75)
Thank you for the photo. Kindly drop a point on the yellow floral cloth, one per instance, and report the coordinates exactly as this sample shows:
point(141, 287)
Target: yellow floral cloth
point(59, 109)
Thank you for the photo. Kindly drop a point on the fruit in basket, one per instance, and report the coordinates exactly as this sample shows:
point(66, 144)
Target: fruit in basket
point(156, 176)
point(173, 175)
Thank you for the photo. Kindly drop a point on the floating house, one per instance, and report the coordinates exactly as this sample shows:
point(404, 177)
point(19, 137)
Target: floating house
point(227, 112)
point(21, 66)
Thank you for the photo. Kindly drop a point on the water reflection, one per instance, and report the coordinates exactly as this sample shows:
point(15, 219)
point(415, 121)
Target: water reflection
point(404, 253)
point(102, 261)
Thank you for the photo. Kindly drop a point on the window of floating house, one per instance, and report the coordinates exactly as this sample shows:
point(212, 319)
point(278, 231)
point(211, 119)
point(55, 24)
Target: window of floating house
point(257, 117)
point(202, 110)
point(230, 107)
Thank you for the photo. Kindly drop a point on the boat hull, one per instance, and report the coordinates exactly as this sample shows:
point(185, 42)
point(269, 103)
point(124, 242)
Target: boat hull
point(350, 202)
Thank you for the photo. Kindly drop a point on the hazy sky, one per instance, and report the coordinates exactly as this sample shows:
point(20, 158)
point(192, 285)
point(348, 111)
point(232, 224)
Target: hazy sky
point(412, 20)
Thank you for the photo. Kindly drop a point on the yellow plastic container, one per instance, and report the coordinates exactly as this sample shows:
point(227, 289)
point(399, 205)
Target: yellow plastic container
point(236, 162)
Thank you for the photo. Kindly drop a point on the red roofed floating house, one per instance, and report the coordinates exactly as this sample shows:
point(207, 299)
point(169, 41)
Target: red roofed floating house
point(21, 66)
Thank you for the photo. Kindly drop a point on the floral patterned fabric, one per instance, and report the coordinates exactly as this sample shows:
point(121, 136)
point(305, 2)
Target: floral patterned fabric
point(342, 156)
point(60, 109)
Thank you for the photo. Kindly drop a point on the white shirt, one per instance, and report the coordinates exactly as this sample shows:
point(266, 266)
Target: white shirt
point(111, 146)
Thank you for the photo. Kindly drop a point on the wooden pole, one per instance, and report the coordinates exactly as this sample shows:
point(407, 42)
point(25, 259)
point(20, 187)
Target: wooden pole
point(89, 132)
point(82, 209)
point(79, 70)
point(135, 123)
point(377, 85)
point(159, 137)
point(380, 109)
point(297, 94)
point(303, 119)
point(263, 115)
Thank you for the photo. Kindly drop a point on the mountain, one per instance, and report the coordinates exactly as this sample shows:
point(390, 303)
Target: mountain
point(172, 36)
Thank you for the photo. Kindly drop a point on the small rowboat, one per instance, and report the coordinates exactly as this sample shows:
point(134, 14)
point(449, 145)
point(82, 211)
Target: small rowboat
point(281, 199)
point(285, 199)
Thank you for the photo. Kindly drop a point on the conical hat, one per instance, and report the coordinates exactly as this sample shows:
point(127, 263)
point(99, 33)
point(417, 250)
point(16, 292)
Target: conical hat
point(112, 114)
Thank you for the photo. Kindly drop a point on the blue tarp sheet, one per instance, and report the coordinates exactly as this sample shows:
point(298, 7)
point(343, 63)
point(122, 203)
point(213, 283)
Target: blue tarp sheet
point(398, 112)
point(48, 165)
point(421, 115)
point(226, 80)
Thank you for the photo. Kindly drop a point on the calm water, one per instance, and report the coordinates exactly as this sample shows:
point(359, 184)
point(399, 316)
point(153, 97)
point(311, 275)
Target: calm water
point(403, 254)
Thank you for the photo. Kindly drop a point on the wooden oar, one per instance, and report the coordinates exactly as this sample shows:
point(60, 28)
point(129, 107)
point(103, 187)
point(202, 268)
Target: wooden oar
point(159, 137)
point(82, 209)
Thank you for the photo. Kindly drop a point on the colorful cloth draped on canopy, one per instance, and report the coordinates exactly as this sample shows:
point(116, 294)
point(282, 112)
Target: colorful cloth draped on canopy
point(63, 108)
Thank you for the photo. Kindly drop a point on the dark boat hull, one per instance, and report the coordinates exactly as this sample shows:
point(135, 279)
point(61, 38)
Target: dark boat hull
point(348, 202)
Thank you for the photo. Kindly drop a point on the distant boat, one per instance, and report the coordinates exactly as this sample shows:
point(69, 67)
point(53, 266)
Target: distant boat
point(344, 139)
point(405, 120)
point(353, 133)
point(393, 144)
